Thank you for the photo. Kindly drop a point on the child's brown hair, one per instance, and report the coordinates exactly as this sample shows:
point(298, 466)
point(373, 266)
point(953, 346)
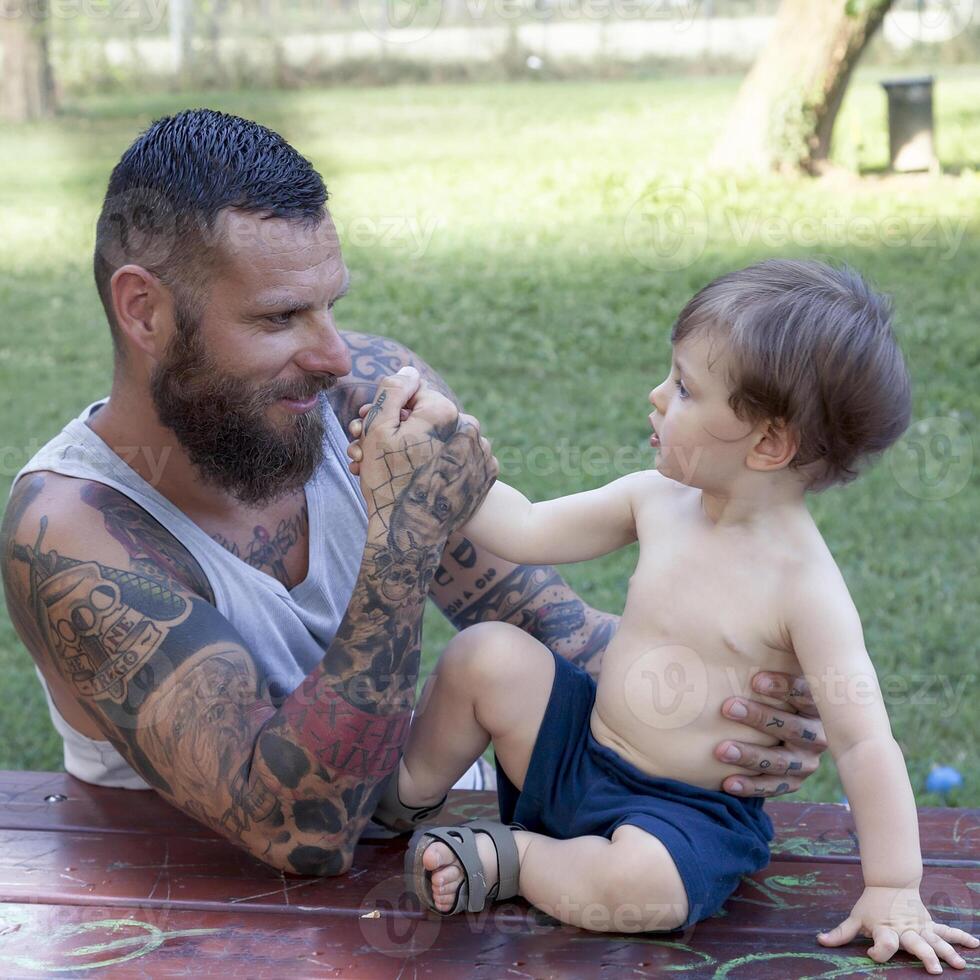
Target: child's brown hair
point(812, 345)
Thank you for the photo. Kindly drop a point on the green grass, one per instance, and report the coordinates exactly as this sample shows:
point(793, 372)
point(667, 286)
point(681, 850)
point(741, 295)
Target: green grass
point(529, 299)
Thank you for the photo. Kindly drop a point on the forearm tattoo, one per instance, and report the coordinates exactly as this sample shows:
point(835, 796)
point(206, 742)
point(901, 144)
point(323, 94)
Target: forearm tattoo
point(538, 600)
point(171, 685)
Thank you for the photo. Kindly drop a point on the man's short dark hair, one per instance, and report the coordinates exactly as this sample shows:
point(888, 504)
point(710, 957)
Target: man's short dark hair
point(167, 190)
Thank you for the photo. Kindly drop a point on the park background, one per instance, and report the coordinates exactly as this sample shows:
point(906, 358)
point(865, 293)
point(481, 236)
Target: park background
point(526, 198)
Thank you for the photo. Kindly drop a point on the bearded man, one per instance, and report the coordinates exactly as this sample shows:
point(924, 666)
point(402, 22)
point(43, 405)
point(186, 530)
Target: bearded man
point(216, 607)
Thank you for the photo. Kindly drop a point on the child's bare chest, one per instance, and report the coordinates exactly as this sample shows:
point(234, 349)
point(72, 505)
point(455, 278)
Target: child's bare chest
point(703, 615)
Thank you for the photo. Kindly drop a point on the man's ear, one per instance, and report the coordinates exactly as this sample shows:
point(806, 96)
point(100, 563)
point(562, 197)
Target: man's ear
point(144, 309)
point(777, 443)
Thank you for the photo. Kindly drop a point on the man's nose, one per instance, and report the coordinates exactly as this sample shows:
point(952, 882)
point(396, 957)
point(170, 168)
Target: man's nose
point(327, 352)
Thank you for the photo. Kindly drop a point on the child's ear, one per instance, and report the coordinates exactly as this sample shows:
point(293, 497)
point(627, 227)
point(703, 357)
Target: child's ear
point(776, 445)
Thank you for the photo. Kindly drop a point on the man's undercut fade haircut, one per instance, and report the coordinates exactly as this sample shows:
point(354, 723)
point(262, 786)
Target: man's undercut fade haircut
point(167, 191)
point(811, 345)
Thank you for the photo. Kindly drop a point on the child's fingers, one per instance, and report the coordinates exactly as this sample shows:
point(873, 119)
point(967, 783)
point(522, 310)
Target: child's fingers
point(355, 468)
point(842, 933)
point(355, 452)
point(885, 944)
point(953, 935)
point(913, 943)
point(356, 428)
point(943, 950)
point(405, 414)
point(363, 410)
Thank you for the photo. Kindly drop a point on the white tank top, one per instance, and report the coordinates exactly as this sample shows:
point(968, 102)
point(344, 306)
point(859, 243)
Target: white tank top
point(286, 630)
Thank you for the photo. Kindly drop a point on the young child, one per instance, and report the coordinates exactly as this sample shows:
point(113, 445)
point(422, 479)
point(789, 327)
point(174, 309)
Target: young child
point(785, 376)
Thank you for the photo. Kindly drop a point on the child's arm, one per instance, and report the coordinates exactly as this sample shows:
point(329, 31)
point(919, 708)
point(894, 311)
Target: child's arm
point(829, 643)
point(574, 528)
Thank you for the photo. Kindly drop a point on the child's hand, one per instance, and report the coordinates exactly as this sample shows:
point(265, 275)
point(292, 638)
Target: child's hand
point(355, 429)
point(896, 918)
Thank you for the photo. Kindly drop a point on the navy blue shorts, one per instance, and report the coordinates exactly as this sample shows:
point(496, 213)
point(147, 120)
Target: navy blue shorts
point(576, 787)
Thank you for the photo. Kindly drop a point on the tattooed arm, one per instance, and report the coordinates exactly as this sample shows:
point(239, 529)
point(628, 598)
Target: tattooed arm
point(473, 585)
point(171, 684)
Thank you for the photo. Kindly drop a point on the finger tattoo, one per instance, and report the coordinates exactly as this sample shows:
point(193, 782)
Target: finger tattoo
point(374, 411)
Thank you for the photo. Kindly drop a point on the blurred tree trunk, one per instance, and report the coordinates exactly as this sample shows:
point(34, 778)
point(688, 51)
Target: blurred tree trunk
point(27, 83)
point(784, 112)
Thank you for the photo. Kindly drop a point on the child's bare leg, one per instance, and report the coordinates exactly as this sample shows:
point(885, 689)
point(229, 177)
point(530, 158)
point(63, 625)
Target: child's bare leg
point(493, 681)
point(627, 884)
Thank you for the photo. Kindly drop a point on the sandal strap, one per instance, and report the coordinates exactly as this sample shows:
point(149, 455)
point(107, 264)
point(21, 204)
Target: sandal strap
point(508, 857)
point(462, 842)
point(395, 815)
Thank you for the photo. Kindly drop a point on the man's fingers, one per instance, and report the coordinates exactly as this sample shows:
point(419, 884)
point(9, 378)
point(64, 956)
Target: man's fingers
point(774, 760)
point(356, 427)
point(784, 725)
point(795, 691)
point(762, 786)
point(842, 933)
point(436, 409)
point(393, 392)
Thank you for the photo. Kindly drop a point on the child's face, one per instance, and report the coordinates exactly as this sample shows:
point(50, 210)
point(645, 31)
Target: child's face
point(701, 441)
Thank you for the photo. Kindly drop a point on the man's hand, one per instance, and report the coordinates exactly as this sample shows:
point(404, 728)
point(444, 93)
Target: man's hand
point(774, 770)
point(423, 466)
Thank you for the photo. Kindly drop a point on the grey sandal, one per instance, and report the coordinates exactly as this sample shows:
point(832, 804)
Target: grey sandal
point(394, 815)
point(472, 894)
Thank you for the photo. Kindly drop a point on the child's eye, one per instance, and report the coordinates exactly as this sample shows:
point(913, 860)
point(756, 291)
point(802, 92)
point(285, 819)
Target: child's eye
point(681, 389)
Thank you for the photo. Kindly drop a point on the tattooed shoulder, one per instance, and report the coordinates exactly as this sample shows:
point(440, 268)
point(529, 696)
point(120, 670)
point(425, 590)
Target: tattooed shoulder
point(149, 545)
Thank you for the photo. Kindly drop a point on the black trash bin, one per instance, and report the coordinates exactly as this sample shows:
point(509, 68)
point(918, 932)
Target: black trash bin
point(910, 124)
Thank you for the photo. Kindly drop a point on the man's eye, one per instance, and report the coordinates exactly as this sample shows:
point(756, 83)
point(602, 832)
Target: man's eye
point(281, 319)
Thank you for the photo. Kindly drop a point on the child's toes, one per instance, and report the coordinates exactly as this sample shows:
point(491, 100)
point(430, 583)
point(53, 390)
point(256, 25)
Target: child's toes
point(437, 856)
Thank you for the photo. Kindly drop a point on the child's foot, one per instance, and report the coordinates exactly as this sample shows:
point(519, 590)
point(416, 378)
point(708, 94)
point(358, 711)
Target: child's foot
point(447, 872)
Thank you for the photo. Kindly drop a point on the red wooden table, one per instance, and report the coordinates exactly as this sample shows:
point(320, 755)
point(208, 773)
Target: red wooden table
point(97, 882)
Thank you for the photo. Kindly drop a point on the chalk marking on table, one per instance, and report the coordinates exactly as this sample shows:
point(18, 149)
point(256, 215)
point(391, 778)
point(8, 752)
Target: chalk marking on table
point(148, 943)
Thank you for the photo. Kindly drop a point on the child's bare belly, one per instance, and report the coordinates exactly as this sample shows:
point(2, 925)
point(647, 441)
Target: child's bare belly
point(658, 705)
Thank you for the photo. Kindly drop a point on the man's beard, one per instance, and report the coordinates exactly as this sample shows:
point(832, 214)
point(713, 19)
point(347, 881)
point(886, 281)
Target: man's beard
point(220, 422)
